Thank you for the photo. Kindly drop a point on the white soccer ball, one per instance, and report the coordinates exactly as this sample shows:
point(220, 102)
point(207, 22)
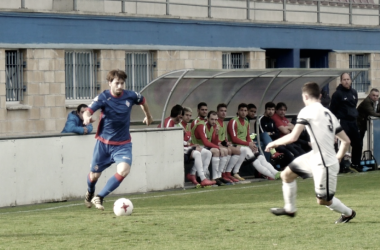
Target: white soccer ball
point(122, 207)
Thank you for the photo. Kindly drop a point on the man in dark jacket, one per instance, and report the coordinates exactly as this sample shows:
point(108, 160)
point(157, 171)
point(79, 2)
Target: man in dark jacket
point(343, 106)
point(368, 107)
point(74, 123)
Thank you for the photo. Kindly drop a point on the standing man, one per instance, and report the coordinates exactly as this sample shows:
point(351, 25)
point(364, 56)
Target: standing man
point(343, 106)
point(113, 143)
point(368, 107)
point(74, 123)
point(321, 163)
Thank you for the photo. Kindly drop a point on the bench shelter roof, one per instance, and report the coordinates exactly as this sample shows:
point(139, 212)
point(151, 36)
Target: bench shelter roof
point(188, 87)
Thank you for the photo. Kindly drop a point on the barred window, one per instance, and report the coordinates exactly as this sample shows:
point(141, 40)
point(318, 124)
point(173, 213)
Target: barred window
point(138, 67)
point(361, 82)
point(232, 60)
point(80, 75)
point(14, 76)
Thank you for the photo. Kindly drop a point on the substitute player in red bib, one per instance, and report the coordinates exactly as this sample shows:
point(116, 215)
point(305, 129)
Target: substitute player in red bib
point(322, 163)
point(113, 143)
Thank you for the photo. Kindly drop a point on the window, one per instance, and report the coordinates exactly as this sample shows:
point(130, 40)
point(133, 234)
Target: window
point(138, 67)
point(80, 75)
point(361, 82)
point(14, 76)
point(232, 60)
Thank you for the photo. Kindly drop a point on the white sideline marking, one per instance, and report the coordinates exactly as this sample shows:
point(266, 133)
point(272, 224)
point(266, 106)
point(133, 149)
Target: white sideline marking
point(134, 198)
point(159, 196)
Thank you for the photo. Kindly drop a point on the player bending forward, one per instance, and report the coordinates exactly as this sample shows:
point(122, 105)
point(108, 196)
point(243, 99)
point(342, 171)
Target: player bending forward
point(321, 163)
point(113, 143)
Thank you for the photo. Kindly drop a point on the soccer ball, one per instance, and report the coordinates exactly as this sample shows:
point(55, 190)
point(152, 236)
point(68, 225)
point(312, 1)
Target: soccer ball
point(122, 207)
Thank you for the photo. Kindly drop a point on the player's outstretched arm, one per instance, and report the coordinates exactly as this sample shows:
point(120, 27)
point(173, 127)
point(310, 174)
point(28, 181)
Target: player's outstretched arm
point(344, 145)
point(148, 117)
point(87, 118)
point(287, 139)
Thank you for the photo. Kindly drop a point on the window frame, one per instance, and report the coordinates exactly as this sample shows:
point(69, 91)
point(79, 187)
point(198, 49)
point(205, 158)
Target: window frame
point(227, 60)
point(89, 80)
point(19, 70)
point(362, 76)
point(131, 70)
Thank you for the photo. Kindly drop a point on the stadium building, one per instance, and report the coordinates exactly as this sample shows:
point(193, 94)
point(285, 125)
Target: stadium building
point(55, 54)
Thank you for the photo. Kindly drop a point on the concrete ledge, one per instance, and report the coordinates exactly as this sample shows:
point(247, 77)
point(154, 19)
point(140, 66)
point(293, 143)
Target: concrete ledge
point(17, 106)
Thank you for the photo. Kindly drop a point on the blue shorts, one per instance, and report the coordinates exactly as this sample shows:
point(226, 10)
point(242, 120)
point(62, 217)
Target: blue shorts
point(105, 155)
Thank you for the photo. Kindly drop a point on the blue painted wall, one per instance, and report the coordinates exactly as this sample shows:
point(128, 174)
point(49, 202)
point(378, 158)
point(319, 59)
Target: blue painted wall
point(108, 30)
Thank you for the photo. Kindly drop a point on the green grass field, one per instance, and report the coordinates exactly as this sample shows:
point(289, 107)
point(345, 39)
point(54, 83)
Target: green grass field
point(232, 217)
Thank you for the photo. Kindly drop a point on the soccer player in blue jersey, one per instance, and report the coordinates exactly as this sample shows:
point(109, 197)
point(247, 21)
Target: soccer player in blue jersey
point(113, 143)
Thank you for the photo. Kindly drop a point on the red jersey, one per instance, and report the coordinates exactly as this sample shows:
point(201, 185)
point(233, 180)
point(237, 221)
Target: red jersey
point(200, 133)
point(168, 123)
point(232, 129)
point(280, 121)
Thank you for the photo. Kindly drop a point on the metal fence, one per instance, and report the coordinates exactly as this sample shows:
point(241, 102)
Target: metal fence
point(80, 75)
point(361, 83)
point(14, 76)
point(138, 67)
point(251, 5)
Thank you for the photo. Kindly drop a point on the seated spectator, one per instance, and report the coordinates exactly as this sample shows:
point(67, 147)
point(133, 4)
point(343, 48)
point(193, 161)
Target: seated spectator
point(202, 114)
point(267, 126)
point(368, 107)
point(174, 118)
point(285, 127)
point(264, 137)
point(233, 152)
point(205, 134)
point(74, 123)
point(238, 131)
point(190, 152)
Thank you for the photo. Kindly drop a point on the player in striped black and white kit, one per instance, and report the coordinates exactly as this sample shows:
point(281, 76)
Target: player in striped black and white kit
point(322, 163)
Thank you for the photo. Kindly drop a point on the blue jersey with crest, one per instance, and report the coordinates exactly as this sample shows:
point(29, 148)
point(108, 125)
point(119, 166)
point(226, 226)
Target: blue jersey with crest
point(115, 115)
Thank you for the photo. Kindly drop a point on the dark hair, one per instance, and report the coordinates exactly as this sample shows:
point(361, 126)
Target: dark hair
point(242, 105)
point(341, 76)
point(312, 89)
point(201, 104)
point(176, 110)
point(221, 105)
point(251, 105)
point(270, 105)
point(116, 73)
point(280, 105)
point(211, 113)
point(374, 90)
point(80, 106)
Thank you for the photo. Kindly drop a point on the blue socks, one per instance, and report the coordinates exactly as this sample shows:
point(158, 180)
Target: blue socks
point(91, 184)
point(111, 185)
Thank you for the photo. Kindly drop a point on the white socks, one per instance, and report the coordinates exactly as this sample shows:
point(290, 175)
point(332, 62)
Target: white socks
point(266, 164)
point(225, 166)
point(234, 159)
point(222, 164)
point(244, 151)
point(289, 191)
point(215, 167)
point(339, 207)
point(206, 158)
point(198, 165)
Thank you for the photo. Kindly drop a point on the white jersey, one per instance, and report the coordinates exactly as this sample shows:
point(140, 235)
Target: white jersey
point(322, 126)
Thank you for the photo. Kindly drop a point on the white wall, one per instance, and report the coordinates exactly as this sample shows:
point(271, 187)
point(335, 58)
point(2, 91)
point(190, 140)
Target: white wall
point(37, 170)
